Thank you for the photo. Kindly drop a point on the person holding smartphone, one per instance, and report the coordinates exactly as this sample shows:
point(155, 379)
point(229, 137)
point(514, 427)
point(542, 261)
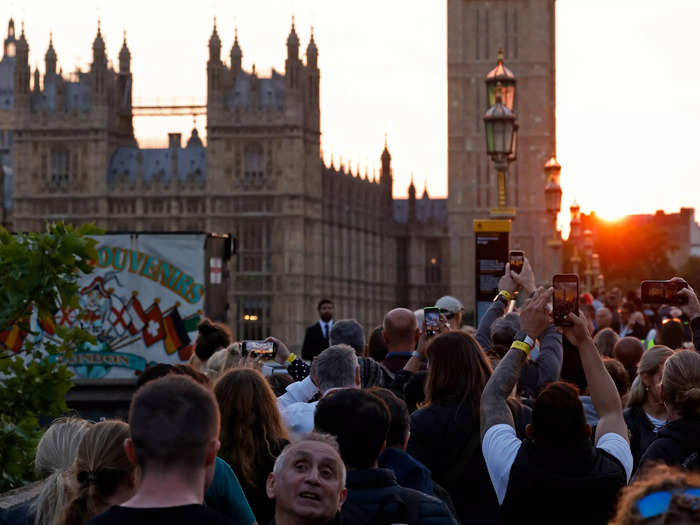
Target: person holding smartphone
point(558, 476)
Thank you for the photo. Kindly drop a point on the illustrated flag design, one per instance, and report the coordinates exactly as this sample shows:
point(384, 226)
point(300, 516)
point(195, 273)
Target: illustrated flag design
point(192, 321)
point(13, 338)
point(136, 314)
point(153, 325)
point(176, 336)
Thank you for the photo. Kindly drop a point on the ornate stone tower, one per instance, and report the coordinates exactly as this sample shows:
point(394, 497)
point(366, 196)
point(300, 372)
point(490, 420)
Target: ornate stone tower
point(65, 133)
point(264, 174)
point(476, 30)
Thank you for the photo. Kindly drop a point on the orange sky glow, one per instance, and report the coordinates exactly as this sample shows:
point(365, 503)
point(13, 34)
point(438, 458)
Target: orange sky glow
point(628, 119)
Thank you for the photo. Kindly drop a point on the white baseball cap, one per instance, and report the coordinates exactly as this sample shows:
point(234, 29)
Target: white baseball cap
point(449, 304)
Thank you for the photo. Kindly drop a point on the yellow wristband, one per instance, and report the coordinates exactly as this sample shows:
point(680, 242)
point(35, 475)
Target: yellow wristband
point(505, 293)
point(521, 345)
point(291, 358)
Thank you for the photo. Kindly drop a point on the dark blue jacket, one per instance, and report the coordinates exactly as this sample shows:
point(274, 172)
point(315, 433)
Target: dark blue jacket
point(409, 472)
point(376, 496)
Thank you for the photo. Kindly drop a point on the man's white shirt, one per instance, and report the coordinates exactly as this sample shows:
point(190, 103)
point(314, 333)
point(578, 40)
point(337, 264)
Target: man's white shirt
point(500, 446)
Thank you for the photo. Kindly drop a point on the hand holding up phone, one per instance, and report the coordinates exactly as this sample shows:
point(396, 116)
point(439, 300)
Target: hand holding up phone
point(691, 308)
point(534, 316)
point(577, 333)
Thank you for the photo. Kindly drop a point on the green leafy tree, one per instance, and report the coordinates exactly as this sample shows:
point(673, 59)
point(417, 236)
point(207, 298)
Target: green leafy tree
point(690, 271)
point(38, 274)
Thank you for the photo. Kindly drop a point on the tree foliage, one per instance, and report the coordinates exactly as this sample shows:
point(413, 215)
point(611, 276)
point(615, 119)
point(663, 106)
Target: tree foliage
point(38, 274)
point(630, 253)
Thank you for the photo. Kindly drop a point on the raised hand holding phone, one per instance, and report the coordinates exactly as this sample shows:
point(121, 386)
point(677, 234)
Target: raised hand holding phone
point(534, 316)
point(577, 333)
point(691, 308)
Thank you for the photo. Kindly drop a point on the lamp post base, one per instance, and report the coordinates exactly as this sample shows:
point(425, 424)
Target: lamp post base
point(502, 213)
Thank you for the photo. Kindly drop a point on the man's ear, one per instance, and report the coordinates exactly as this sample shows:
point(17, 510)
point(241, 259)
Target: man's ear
point(130, 451)
point(341, 498)
point(358, 378)
point(416, 337)
point(212, 449)
point(405, 441)
point(384, 337)
point(589, 430)
point(270, 486)
point(530, 431)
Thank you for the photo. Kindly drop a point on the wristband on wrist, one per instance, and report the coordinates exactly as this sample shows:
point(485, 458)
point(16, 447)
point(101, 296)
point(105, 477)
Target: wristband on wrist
point(292, 357)
point(418, 356)
point(522, 345)
point(508, 296)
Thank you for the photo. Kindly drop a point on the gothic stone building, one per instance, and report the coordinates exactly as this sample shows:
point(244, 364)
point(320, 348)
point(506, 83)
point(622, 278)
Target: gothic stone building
point(305, 230)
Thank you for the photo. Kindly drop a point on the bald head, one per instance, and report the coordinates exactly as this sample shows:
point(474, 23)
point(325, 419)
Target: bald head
point(628, 351)
point(400, 329)
point(603, 318)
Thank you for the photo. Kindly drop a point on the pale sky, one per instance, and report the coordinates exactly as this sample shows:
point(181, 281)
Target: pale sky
point(628, 113)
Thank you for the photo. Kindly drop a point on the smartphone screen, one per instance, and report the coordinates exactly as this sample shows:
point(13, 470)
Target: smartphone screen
point(516, 258)
point(262, 349)
point(565, 298)
point(431, 314)
point(663, 292)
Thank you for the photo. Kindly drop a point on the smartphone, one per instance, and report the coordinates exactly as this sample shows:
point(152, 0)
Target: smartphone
point(431, 314)
point(565, 298)
point(663, 292)
point(516, 258)
point(264, 349)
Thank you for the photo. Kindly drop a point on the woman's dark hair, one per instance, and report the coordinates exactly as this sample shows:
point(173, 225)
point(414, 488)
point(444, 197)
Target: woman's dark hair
point(251, 424)
point(671, 335)
point(557, 418)
point(279, 383)
point(400, 420)
point(458, 370)
point(212, 336)
point(377, 345)
point(619, 375)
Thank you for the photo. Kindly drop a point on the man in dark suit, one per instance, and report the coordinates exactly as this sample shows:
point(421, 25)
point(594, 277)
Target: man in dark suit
point(316, 338)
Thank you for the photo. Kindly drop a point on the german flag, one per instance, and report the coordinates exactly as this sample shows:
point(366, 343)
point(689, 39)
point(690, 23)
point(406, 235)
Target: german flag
point(175, 333)
point(13, 339)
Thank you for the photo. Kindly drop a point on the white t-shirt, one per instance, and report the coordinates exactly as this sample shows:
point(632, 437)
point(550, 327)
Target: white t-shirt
point(501, 445)
point(658, 423)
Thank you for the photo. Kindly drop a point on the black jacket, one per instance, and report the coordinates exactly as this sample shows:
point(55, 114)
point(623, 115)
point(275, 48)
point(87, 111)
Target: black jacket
point(314, 342)
point(641, 432)
point(374, 497)
point(439, 434)
point(677, 443)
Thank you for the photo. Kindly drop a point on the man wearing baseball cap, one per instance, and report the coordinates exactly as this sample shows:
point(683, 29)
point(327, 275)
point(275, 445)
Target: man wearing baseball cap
point(452, 309)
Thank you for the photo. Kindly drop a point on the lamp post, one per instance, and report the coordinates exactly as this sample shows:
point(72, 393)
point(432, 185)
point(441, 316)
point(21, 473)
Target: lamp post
point(501, 130)
point(575, 234)
point(552, 199)
point(595, 267)
point(588, 252)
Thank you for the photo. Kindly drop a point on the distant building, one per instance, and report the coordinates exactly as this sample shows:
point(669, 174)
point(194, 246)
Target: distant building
point(305, 230)
point(476, 30)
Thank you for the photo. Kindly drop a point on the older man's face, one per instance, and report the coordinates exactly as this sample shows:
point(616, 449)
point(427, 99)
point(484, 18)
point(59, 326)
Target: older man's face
point(310, 484)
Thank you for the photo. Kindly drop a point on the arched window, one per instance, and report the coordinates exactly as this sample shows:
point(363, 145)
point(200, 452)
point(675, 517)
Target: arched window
point(60, 168)
point(254, 163)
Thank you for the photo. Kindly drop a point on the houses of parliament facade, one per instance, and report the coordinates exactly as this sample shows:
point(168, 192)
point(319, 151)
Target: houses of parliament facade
point(305, 230)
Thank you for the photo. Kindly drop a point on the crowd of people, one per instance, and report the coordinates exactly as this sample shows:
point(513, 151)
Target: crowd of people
point(513, 421)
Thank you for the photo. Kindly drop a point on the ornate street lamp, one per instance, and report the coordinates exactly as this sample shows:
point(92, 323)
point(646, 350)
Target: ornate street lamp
point(575, 234)
point(505, 77)
point(499, 122)
point(588, 253)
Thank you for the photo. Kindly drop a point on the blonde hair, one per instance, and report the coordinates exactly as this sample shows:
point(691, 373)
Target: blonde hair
point(681, 382)
point(650, 363)
point(222, 360)
point(55, 455)
point(100, 469)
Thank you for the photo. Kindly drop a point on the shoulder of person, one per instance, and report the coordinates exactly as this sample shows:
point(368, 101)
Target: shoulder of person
point(430, 508)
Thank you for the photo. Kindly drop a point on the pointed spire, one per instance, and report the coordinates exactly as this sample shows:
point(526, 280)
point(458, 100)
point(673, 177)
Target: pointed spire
point(332, 164)
point(293, 42)
point(124, 57)
point(386, 156)
point(312, 51)
point(37, 79)
point(412, 189)
point(236, 53)
point(50, 57)
point(214, 44)
point(425, 191)
point(99, 43)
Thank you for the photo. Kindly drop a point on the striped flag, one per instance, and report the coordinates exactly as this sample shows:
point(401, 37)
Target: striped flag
point(136, 315)
point(13, 338)
point(176, 336)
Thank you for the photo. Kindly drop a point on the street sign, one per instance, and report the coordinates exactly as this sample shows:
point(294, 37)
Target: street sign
point(491, 243)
